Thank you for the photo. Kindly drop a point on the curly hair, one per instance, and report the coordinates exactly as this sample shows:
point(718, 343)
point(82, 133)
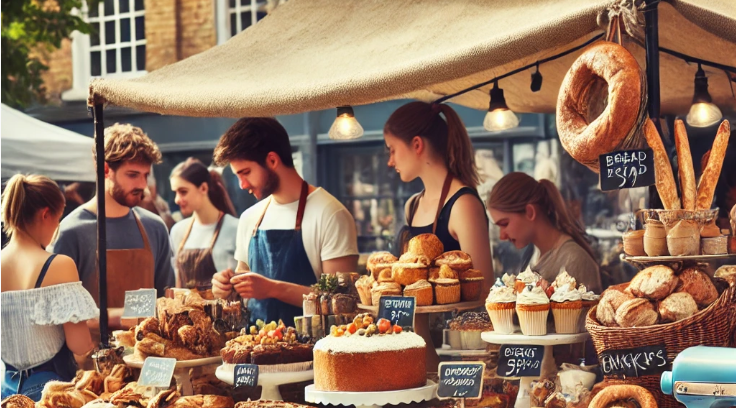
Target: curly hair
point(128, 143)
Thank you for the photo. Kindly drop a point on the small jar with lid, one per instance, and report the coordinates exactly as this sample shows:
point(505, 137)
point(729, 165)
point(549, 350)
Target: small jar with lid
point(655, 238)
point(634, 243)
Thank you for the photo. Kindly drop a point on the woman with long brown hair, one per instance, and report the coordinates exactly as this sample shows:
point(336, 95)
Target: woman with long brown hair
point(44, 305)
point(530, 211)
point(204, 244)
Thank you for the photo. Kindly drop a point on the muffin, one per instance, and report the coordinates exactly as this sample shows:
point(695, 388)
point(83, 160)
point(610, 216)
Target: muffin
point(385, 289)
point(385, 275)
point(407, 273)
point(426, 244)
point(500, 305)
point(457, 260)
point(566, 304)
point(379, 261)
point(532, 307)
point(471, 285)
point(508, 280)
point(526, 278)
point(364, 286)
point(447, 291)
point(564, 279)
point(422, 291)
point(470, 325)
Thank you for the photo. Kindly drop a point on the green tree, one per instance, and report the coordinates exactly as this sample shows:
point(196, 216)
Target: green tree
point(30, 28)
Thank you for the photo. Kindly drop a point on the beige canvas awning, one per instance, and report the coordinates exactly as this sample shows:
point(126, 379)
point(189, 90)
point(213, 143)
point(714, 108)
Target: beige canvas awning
point(317, 54)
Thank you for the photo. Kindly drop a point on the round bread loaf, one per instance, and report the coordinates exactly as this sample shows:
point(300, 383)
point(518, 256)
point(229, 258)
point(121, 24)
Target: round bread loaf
point(457, 260)
point(379, 261)
point(698, 284)
point(655, 282)
point(677, 306)
point(426, 244)
point(611, 300)
point(406, 274)
point(636, 313)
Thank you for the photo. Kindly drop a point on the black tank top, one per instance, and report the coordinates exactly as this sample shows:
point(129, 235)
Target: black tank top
point(408, 232)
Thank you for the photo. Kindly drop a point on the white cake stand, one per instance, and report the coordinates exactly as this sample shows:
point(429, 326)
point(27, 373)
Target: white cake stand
point(181, 370)
point(371, 399)
point(548, 360)
point(269, 382)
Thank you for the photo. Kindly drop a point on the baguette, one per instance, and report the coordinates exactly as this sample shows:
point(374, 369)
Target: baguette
point(712, 171)
point(663, 176)
point(685, 165)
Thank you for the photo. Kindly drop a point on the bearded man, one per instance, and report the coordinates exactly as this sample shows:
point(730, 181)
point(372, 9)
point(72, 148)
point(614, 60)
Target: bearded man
point(138, 250)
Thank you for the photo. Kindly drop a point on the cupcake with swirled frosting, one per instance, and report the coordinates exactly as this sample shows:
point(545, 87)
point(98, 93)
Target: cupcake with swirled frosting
point(532, 307)
point(566, 305)
point(500, 304)
point(589, 299)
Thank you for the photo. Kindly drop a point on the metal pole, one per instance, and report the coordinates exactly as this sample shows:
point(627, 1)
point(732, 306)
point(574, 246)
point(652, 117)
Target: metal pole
point(101, 221)
point(651, 17)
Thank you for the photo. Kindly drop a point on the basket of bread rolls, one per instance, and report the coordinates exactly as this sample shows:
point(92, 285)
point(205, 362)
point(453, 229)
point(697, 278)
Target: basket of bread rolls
point(662, 306)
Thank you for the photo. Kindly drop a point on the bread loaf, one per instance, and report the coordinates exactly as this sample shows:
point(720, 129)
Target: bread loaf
point(677, 306)
point(664, 179)
point(685, 166)
point(426, 244)
point(636, 313)
point(698, 284)
point(611, 299)
point(712, 171)
point(655, 282)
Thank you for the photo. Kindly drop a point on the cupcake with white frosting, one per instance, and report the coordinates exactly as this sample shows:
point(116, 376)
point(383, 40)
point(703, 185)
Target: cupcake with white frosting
point(527, 278)
point(500, 305)
point(566, 306)
point(589, 299)
point(532, 307)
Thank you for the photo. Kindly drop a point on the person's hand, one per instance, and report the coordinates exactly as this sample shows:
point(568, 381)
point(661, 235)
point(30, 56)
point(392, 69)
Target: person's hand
point(251, 285)
point(221, 286)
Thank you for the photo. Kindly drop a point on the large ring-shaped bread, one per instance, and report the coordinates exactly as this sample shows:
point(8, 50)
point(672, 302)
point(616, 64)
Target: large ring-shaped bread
point(611, 394)
point(582, 134)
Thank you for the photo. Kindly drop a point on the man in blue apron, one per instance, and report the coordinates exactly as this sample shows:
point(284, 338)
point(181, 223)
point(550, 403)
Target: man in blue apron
point(291, 236)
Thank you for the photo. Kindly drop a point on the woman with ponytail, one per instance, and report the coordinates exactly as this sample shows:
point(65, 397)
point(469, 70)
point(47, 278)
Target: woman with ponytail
point(44, 305)
point(529, 211)
point(204, 244)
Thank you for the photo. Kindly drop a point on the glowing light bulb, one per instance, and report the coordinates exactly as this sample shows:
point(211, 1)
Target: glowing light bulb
point(345, 126)
point(499, 116)
point(703, 112)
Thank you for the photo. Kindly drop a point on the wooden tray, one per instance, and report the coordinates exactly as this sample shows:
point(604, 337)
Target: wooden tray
point(450, 307)
point(645, 261)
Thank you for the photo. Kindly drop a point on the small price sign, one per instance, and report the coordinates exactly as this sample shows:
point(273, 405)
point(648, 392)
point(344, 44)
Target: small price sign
point(626, 169)
point(140, 303)
point(520, 361)
point(157, 372)
point(245, 375)
point(460, 380)
point(398, 309)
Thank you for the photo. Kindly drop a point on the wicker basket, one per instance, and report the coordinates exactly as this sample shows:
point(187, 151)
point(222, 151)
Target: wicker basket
point(712, 326)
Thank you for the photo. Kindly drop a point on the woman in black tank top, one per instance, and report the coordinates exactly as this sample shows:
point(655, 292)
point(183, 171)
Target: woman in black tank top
point(429, 141)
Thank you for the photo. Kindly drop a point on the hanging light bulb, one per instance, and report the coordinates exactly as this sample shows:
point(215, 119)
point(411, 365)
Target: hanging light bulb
point(499, 116)
point(345, 126)
point(536, 80)
point(703, 112)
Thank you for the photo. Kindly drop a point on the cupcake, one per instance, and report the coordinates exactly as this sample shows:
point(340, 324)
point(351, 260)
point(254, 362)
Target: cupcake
point(422, 291)
point(508, 280)
point(526, 278)
point(447, 291)
point(564, 279)
point(532, 307)
point(364, 286)
point(589, 300)
point(500, 305)
point(471, 285)
point(566, 305)
point(470, 325)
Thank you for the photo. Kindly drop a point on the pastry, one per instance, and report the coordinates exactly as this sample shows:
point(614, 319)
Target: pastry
point(434, 273)
point(727, 272)
point(471, 285)
point(684, 238)
point(540, 391)
point(613, 395)
point(508, 280)
point(17, 401)
point(698, 285)
point(566, 304)
point(610, 301)
point(636, 313)
point(385, 275)
point(407, 273)
point(385, 289)
point(664, 179)
point(556, 400)
point(364, 285)
point(471, 321)
point(457, 260)
point(445, 272)
point(655, 282)
point(379, 261)
point(125, 338)
point(447, 291)
point(589, 299)
point(411, 258)
point(426, 244)
point(422, 291)
point(712, 171)
point(677, 306)
point(563, 279)
point(685, 166)
point(501, 304)
point(532, 307)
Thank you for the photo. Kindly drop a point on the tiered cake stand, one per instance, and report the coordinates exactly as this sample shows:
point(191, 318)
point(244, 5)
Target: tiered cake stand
point(371, 399)
point(181, 370)
point(268, 381)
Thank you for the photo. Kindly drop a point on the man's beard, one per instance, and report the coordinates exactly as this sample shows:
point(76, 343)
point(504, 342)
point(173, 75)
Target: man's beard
point(129, 199)
point(271, 184)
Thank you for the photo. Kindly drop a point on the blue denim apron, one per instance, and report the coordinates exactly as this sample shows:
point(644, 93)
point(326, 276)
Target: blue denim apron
point(280, 255)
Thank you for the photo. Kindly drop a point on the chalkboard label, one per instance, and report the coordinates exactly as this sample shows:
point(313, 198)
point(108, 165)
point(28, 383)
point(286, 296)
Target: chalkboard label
point(140, 303)
point(398, 309)
point(460, 380)
point(245, 375)
point(157, 372)
point(635, 362)
point(626, 169)
point(520, 361)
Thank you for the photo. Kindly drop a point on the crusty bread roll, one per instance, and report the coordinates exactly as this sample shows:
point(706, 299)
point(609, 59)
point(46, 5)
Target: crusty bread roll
point(426, 244)
point(412, 258)
point(457, 260)
point(379, 261)
point(18, 401)
point(664, 179)
point(406, 274)
point(636, 313)
point(685, 166)
point(614, 395)
point(727, 272)
point(698, 284)
point(655, 282)
point(712, 171)
point(385, 289)
point(611, 299)
point(677, 306)
point(583, 133)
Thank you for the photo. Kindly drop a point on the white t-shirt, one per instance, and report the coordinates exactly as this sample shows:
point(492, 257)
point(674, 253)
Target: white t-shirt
point(328, 229)
point(201, 235)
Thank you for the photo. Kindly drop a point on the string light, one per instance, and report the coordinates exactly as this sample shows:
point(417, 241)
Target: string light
point(499, 116)
point(345, 126)
point(703, 112)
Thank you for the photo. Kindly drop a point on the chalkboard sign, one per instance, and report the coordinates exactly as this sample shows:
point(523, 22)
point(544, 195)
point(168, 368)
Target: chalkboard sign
point(626, 169)
point(520, 361)
point(157, 372)
point(460, 380)
point(635, 362)
point(140, 303)
point(398, 309)
point(245, 375)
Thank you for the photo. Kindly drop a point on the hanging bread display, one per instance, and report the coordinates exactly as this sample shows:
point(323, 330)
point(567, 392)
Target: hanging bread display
point(601, 104)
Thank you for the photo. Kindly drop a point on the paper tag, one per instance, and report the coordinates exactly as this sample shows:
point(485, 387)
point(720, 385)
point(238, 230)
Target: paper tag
point(157, 372)
point(140, 303)
point(460, 380)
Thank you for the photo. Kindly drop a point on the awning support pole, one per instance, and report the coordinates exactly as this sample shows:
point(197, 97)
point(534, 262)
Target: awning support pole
point(101, 224)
